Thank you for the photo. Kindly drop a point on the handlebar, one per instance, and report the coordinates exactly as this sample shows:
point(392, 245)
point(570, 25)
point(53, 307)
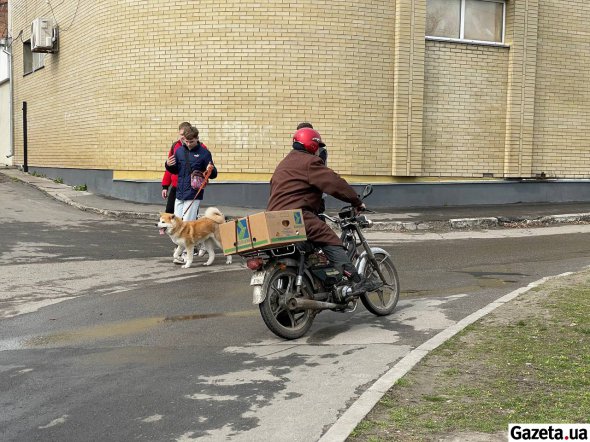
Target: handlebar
point(325, 216)
point(350, 213)
point(342, 218)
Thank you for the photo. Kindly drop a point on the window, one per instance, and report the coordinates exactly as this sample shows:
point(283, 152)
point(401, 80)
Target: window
point(32, 61)
point(470, 20)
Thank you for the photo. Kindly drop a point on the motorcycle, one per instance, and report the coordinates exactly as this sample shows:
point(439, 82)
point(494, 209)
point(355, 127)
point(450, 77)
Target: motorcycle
point(293, 283)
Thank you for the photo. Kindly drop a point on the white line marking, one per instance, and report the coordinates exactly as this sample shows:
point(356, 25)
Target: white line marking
point(54, 422)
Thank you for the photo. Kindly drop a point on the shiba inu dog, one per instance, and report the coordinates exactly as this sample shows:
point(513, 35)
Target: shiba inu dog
point(186, 234)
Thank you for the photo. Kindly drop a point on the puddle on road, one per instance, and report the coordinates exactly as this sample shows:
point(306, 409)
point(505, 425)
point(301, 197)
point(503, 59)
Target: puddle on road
point(121, 356)
point(497, 279)
point(119, 329)
point(96, 332)
point(483, 280)
point(245, 313)
point(416, 293)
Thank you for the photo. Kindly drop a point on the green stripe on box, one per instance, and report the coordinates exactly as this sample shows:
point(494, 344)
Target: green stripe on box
point(289, 238)
point(264, 242)
point(233, 250)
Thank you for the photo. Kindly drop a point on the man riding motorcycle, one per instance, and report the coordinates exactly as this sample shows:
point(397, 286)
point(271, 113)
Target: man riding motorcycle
point(298, 183)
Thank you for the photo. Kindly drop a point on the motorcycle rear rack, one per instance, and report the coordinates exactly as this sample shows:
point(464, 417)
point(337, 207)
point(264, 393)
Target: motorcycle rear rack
point(283, 251)
point(276, 252)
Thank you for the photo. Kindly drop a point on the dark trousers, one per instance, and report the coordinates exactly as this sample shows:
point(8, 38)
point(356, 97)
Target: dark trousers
point(170, 200)
point(339, 259)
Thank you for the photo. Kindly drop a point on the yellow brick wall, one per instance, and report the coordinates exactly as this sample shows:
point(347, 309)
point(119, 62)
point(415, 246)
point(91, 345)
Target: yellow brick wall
point(409, 47)
point(464, 109)
point(562, 97)
point(244, 72)
point(247, 72)
point(63, 98)
point(521, 35)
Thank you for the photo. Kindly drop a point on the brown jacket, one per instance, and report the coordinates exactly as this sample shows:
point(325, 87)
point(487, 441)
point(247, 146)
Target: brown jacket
point(298, 183)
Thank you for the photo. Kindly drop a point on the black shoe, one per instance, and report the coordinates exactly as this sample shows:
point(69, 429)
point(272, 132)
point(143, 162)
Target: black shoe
point(366, 285)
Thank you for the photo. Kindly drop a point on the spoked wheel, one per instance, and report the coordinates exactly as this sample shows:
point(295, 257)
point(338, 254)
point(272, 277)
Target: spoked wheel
point(382, 301)
point(283, 322)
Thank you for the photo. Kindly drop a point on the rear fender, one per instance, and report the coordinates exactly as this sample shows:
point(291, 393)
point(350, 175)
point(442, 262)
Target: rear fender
point(258, 279)
point(257, 294)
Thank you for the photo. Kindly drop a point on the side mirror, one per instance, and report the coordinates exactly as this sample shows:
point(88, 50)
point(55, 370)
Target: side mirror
point(367, 191)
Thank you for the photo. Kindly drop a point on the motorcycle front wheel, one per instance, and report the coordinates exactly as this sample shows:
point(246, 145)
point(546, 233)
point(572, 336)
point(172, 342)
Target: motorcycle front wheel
point(283, 322)
point(382, 301)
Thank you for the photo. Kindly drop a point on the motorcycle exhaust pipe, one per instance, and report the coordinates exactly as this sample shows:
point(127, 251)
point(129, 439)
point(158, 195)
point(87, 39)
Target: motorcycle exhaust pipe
point(310, 304)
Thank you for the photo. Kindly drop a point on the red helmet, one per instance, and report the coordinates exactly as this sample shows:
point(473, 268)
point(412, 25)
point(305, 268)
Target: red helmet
point(309, 138)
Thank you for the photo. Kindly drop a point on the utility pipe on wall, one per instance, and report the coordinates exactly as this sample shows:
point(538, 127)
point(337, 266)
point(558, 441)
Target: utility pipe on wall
point(25, 156)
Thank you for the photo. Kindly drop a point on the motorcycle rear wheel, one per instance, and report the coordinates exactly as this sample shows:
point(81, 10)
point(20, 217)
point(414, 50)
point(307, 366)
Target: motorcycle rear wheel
point(285, 323)
point(382, 301)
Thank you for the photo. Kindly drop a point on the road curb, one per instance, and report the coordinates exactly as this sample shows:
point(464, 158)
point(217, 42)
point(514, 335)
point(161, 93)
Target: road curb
point(481, 223)
point(106, 212)
point(60, 193)
point(465, 223)
point(346, 423)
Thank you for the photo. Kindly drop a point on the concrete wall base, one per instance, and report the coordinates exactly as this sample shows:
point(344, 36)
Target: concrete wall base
point(255, 195)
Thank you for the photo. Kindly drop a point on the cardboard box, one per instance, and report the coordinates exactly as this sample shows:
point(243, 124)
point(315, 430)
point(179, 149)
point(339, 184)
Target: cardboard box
point(262, 230)
point(276, 228)
point(235, 236)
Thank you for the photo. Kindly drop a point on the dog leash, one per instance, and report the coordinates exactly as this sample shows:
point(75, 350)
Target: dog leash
point(206, 175)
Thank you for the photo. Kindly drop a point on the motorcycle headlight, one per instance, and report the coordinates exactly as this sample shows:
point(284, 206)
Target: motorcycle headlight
point(346, 213)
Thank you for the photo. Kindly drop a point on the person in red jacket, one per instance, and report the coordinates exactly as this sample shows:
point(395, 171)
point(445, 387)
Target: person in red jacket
point(170, 180)
point(191, 157)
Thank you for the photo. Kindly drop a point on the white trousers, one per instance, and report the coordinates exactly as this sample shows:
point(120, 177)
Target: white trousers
point(191, 214)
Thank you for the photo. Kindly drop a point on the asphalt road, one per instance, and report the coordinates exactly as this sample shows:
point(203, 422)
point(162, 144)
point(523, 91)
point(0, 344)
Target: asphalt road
point(103, 338)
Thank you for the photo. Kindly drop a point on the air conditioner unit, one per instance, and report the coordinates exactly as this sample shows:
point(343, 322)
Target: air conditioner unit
point(43, 35)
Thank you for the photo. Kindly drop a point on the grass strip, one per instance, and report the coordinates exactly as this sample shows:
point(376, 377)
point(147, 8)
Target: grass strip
point(526, 362)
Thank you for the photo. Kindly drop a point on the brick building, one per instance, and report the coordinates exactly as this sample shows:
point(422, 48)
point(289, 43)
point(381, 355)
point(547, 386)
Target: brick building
point(435, 101)
point(3, 18)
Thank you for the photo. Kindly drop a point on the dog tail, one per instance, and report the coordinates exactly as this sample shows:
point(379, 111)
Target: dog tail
point(213, 213)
